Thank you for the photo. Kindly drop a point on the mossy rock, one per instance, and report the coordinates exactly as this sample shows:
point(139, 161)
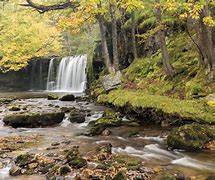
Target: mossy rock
point(14, 108)
point(120, 176)
point(52, 97)
point(24, 159)
point(127, 160)
point(190, 137)
point(64, 170)
point(78, 163)
point(77, 116)
point(34, 120)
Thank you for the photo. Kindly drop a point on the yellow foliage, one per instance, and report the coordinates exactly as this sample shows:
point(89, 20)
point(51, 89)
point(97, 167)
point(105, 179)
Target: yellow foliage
point(26, 34)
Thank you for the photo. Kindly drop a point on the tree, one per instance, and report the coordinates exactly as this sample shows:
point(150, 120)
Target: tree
point(24, 34)
point(162, 41)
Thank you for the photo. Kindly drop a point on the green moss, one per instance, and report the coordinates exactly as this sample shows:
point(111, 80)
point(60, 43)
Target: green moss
point(146, 74)
point(190, 137)
point(127, 160)
point(196, 110)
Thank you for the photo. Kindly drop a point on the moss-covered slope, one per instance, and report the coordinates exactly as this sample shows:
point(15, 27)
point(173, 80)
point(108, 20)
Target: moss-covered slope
point(194, 110)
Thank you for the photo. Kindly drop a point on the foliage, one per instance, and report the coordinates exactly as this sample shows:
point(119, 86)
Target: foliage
point(25, 34)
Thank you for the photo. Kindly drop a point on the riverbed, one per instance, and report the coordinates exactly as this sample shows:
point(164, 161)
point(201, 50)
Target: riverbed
point(149, 144)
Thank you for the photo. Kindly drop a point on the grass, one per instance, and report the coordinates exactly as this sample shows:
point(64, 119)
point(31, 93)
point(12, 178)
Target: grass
point(197, 110)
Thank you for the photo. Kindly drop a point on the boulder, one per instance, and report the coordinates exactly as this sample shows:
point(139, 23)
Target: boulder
point(74, 159)
point(111, 81)
point(68, 97)
point(190, 137)
point(14, 108)
point(52, 97)
point(34, 120)
point(15, 170)
point(77, 116)
point(24, 159)
point(64, 170)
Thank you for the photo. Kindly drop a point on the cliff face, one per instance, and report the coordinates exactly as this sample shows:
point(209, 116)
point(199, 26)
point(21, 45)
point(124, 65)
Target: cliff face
point(32, 77)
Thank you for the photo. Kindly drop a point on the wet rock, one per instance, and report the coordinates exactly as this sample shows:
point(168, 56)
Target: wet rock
point(64, 170)
point(106, 148)
point(55, 144)
point(74, 159)
point(96, 130)
point(24, 159)
point(68, 97)
point(52, 97)
point(210, 145)
point(5, 101)
point(34, 119)
point(106, 132)
point(15, 170)
point(120, 176)
point(14, 108)
point(78, 163)
point(103, 166)
point(32, 165)
point(190, 137)
point(77, 116)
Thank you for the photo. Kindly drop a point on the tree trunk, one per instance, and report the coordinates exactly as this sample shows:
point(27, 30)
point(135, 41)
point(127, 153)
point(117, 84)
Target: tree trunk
point(213, 28)
point(162, 43)
point(133, 37)
point(208, 44)
point(105, 52)
point(114, 37)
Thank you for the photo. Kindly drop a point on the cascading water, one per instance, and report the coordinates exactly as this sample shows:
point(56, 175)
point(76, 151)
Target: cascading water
point(71, 75)
point(51, 78)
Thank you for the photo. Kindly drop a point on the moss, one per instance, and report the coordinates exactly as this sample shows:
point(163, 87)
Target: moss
point(120, 176)
point(190, 81)
point(196, 110)
point(190, 137)
point(127, 160)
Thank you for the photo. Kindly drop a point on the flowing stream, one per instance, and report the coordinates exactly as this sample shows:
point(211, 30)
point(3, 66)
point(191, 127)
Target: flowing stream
point(150, 145)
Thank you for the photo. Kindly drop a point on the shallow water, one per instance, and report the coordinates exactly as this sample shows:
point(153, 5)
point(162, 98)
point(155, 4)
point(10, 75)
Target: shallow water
point(148, 146)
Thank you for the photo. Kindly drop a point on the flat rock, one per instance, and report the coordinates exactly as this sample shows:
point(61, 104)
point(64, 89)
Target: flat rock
point(34, 120)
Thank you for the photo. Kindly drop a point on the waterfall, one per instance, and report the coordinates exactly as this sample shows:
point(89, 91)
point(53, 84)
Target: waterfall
point(71, 75)
point(51, 78)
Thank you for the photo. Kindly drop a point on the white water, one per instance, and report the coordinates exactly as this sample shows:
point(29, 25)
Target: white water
point(51, 78)
point(71, 75)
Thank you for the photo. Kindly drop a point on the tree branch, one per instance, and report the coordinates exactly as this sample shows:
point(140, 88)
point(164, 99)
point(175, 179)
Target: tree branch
point(45, 8)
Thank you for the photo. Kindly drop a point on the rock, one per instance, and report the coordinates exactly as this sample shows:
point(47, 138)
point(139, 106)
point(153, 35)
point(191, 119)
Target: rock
point(52, 97)
point(103, 166)
point(68, 97)
point(106, 132)
point(5, 101)
point(14, 108)
point(74, 159)
point(106, 148)
point(32, 165)
point(120, 176)
point(24, 159)
point(96, 130)
point(210, 145)
point(190, 137)
point(15, 170)
point(77, 116)
point(78, 163)
point(55, 144)
point(34, 120)
point(111, 81)
point(64, 170)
